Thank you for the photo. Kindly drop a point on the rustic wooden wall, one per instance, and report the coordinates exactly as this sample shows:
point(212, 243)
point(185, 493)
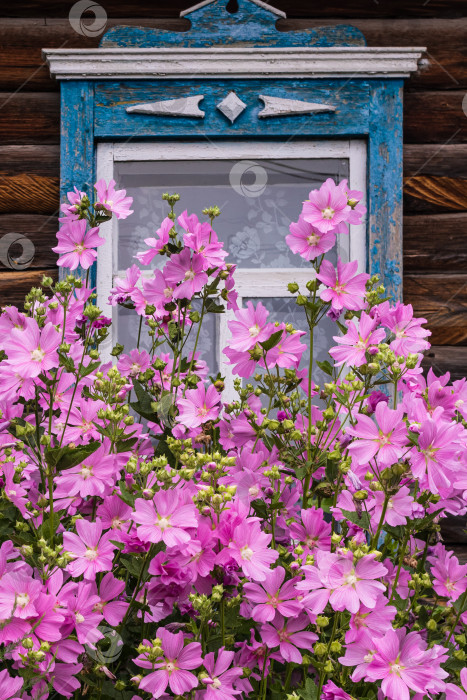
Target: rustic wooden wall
point(435, 160)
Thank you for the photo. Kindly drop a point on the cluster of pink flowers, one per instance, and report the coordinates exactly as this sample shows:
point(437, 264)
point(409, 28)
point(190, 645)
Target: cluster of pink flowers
point(158, 541)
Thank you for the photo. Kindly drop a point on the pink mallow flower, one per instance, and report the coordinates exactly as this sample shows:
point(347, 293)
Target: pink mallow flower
point(221, 679)
point(313, 531)
point(111, 200)
point(399, 507)
point(307, 241)
point(19, 595)
point(436, 455)
point(92, 551)
point(386, 438)
point(332, 692)
point(10, 687)
point(355, 584)
point(32, 350)
point(199, 406)
point(173, 668)
point(250, 327)
point(345, 289)
point(289, 637)
point(410, 337)
point(187, 270)
point(359, 338)
point(157, 243)
point(249, 548)
point(273, 597)
point(76, 246)
point(403, 663)
point(166, 518)
point(326, 207)
point(449, 577)
point(453, 692)
point(93, 477)
point(133, 364)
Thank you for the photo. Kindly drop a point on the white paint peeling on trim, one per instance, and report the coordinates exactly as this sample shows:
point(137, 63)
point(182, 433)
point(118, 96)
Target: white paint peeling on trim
point(266, 63)
point(179, 107)
point(279, 106)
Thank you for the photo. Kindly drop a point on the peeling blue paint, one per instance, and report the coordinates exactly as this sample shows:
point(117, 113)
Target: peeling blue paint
point(251, 25)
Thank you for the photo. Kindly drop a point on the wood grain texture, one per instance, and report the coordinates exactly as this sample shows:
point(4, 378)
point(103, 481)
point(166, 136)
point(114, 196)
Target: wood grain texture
point(435, 244)
point(293, 8)
point(29, 193)
point(31, 159)
point(442, 300)
point(444, 191)
point(446, 358)
point(420, 207)
point(15, 285)
point(29, 118)
point(442, 160)
point(434, 117)
point(39, 229)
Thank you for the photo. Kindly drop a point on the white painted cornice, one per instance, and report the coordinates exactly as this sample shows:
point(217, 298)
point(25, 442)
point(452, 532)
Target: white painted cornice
point(225, 62)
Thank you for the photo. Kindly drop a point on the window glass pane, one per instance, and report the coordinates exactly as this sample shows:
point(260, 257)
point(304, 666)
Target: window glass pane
point(258, 200)
point(208, 345)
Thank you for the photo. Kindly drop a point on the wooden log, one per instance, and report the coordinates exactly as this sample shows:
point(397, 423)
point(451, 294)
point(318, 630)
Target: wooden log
point(29, 118)
point(442, 300)
point(15, 285)
point(415, 206)
point(39, 229)
point(34, 160)
point(447, 192)
point(435, 244)
point(442, 160)
point(434, 117)
point(29, 193)
point(294, 8)
point(446, 358)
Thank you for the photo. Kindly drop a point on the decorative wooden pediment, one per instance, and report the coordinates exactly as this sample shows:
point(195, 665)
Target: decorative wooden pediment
point(254, 24)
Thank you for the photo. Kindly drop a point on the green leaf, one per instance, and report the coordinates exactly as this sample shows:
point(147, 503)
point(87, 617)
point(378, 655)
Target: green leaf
point(362, 520)
point(272, 341)
point(143, 406)
point(397, 531)
point(213, 308)
point(325, 367)
point(132, 565)
point(260, 508)
point(119, 545)
point(125, 445)
point(67, 457)
point(310, 691)
point(92, 366)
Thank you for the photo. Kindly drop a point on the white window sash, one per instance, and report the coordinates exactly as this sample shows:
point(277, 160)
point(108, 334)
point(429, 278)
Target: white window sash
point(249, 282)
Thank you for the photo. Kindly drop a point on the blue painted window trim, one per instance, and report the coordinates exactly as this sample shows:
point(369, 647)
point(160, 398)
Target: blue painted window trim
point(94, 110)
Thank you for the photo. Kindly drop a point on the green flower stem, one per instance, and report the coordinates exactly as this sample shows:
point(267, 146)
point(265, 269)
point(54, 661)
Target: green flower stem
point(459, 613)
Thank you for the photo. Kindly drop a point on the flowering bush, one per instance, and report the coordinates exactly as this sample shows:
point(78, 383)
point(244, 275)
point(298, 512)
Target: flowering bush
point(158, 542)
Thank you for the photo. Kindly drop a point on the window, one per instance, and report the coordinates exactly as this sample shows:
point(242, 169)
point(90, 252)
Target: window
point(259, 188)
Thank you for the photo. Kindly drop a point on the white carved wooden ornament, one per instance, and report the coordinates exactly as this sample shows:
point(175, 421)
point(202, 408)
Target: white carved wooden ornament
point(180, 107)
point(281, 106)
